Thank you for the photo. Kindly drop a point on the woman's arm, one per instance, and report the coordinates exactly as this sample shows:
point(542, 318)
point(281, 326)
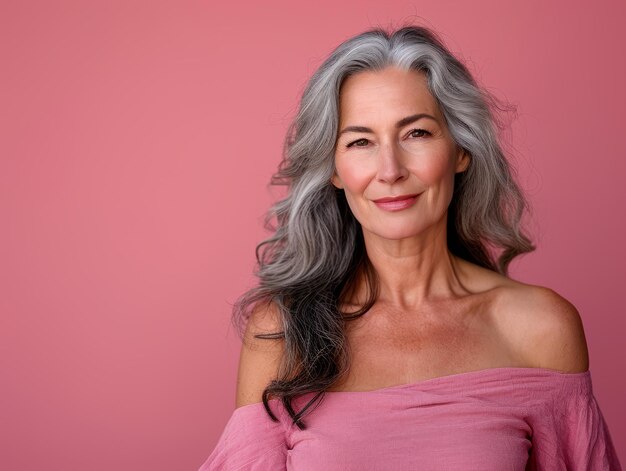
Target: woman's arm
point(259, 360)
point(251, 441)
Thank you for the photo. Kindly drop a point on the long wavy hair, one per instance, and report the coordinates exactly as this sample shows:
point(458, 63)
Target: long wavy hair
point(312, 260)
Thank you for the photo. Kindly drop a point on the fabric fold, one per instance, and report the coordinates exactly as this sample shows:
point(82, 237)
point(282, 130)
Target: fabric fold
point(517, 419)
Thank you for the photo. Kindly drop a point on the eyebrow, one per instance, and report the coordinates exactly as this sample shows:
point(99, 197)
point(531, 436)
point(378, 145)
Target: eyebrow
point(403, 122)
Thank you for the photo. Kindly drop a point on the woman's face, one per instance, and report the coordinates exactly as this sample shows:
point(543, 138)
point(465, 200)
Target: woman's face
point(393, 141)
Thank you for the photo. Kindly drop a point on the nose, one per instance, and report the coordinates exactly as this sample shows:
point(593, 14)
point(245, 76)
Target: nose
point(390, 164)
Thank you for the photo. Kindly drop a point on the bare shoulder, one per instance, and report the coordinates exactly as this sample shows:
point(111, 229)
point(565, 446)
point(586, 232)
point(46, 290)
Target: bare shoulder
point(260, 358)
point(544, 328)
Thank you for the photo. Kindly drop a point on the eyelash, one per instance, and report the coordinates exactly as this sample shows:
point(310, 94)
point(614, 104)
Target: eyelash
point(364, 139)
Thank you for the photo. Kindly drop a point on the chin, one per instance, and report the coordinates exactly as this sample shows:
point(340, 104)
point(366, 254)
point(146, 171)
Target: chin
point(395, 234)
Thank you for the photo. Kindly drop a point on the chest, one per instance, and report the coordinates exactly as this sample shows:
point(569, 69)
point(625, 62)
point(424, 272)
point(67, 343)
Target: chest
point(388, 349)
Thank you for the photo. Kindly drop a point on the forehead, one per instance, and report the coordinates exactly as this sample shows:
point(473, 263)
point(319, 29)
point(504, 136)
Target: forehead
point(385, 93)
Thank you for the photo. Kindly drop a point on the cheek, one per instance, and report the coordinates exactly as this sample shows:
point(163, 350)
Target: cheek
point(355, 178)
point(434, 169)
point(438, 176)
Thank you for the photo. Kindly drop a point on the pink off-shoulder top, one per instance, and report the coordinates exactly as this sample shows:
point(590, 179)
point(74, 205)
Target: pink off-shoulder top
point(497, 419)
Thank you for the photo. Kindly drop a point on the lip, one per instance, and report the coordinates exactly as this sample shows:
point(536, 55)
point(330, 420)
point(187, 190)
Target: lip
point(396, 203)
point(386, 199)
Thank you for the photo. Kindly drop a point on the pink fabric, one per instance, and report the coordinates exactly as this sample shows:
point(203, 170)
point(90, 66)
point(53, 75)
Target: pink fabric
point(493, 419)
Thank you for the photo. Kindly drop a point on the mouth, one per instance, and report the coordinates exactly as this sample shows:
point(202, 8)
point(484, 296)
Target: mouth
point(387, 199)
point(396, 203)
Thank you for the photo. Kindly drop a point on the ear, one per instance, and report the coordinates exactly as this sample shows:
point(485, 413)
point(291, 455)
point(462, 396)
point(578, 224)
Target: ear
point(463, 160)
point(336, 181)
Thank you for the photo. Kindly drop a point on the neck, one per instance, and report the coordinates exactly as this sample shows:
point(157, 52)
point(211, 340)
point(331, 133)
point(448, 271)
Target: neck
point(413, 271)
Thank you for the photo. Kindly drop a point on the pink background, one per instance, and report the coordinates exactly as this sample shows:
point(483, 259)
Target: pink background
point(137, 142)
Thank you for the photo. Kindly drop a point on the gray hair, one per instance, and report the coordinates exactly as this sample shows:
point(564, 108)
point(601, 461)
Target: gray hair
point(309, 264)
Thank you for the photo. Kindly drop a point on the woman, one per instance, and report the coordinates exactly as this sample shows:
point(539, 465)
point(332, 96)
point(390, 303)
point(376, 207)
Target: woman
point(385, 332)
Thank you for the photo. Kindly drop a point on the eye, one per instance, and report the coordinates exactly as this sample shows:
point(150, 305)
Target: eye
point(411, 133)
point(356, 142)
